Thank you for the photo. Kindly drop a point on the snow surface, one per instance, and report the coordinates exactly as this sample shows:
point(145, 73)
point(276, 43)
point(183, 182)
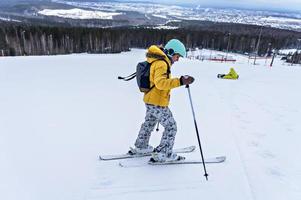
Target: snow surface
point(58, 113)
point(8, 19)
point(76, 13)
point(288, 51)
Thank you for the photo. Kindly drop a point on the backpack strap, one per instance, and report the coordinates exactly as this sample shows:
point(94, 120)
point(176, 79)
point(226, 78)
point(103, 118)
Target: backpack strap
point(128, 78)
point(168, 67)
point(168, 72)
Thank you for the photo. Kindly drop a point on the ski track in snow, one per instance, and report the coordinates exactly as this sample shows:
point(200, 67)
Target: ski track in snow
point(227, 93)
point(256, 137)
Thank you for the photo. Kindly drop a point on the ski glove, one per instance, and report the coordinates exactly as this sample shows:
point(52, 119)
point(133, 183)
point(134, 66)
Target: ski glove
point(186, 80)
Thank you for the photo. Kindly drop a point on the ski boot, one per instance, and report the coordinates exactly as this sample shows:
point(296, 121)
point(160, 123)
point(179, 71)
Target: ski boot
point(163, 157)
point(140, 151)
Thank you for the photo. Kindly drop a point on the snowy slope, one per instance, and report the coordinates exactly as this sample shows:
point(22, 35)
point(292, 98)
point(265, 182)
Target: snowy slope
point(58, 113)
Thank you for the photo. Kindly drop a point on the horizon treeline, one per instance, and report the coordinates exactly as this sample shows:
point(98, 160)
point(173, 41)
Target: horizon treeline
point(16, 39)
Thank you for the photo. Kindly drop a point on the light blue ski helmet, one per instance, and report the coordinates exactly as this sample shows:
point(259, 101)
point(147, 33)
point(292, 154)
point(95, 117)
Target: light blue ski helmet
point(175, 46)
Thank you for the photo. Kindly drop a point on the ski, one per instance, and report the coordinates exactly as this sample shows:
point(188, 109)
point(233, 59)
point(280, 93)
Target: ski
point(219, 159)
point(213, 160)
point(126, 155)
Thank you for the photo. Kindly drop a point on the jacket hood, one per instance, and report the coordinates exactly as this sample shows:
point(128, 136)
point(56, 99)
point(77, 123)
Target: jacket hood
point(155, 53)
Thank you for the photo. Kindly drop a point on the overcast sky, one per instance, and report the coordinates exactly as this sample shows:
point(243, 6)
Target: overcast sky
point(261, 4)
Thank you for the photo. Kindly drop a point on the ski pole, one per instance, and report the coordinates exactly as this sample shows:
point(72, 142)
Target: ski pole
point(197, 133)
point(157, 129)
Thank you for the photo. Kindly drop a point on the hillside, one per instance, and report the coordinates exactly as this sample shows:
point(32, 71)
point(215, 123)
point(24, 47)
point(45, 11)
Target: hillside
point(59, 113)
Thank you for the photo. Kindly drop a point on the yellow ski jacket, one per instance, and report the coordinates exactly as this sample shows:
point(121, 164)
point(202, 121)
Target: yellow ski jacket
point(160, 77)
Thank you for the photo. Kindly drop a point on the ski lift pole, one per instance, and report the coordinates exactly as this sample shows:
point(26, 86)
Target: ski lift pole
point(197, 133)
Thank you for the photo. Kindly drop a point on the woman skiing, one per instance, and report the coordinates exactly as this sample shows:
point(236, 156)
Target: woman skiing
point(157, 101)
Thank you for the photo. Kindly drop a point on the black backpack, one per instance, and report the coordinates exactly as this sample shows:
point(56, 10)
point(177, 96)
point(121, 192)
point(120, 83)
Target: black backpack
point(142, 75)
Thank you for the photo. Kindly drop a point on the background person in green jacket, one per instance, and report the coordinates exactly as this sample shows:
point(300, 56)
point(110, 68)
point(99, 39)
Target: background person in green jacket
point(231, 75)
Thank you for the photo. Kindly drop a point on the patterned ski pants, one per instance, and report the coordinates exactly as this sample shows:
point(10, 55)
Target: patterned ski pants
point(164, 116)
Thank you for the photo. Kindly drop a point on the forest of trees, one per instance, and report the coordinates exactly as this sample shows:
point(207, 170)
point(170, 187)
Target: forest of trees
point(16, 39)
